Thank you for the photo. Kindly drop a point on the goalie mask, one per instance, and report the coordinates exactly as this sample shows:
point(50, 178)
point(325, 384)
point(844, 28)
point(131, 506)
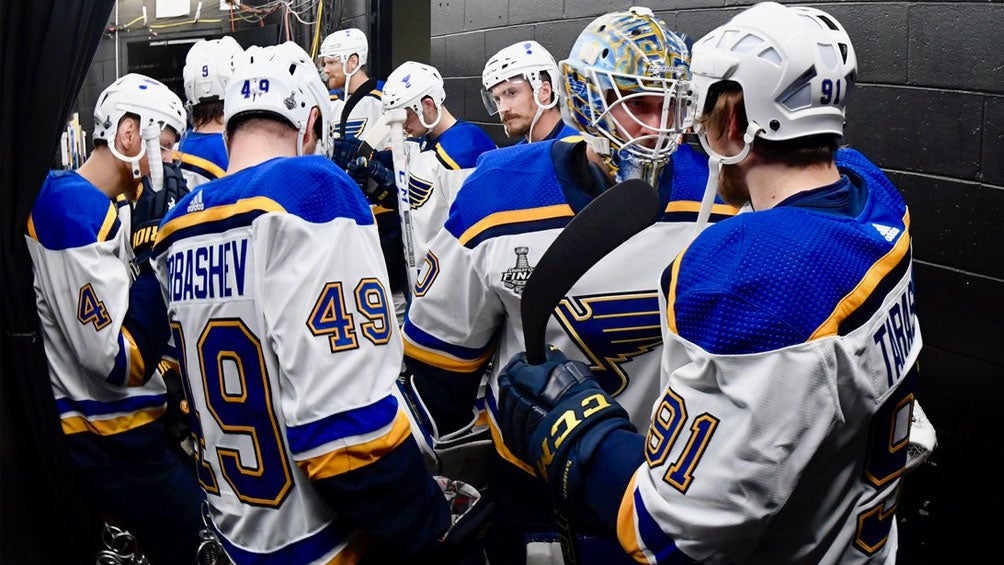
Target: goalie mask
point(155, 105)
point(795, 65)
point(623, 59)
point(279, 80)
point(409, 84)
point(208, 68)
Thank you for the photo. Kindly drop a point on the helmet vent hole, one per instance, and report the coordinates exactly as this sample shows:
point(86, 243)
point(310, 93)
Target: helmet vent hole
point(829, 23)
point(292, 69)
point(635, 32)
point(602, 27)
point(843, 51)
point(605, 53)
point(775, 125)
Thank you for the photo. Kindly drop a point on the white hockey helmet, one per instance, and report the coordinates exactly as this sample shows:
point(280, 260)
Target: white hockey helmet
point(208, 68)
point(526, 59)
point(621, 56)
point(281, 80)
point(138, 94)
point(345, 43)
point(409, 84)
point(796, 66)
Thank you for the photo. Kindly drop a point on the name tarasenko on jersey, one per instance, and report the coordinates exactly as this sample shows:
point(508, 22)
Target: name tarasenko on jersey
point(896, 334)
point(207, 272)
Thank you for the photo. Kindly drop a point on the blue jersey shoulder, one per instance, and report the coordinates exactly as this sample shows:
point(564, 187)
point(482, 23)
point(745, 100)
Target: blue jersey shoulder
point(460, 146)
point(766, 280)
point(310, 187)
point(690, 175)
point(71, 212)
point(207, 146)
point(510, 188)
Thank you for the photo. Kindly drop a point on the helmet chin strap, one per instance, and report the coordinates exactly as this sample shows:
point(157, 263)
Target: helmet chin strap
point(133, 161)
point(715, 163)
point(439, 116)
point(540, 111)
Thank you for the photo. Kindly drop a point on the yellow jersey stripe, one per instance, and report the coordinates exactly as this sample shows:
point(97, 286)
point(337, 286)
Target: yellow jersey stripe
point(219, 213)
point(356, 456)
point(136, 365)
point(627, 533)
point(109, 221)
point(197, 161)
point(504, 452)
point(112, 426)
point(442, 361)
point(856, 297)
point(671, 294)
point(446, 158)
point(694, 206)
point(515, 216)
point(31, 229)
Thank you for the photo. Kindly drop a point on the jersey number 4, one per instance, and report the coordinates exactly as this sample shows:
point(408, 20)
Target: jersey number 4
point(90, 309)
point(331, 318)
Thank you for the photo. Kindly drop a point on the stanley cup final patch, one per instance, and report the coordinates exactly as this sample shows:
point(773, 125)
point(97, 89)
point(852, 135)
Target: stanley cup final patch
point(515, 278)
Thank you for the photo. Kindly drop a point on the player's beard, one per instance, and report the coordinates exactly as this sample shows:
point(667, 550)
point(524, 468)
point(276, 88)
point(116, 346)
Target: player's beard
point(519, 126)
point(731, 186)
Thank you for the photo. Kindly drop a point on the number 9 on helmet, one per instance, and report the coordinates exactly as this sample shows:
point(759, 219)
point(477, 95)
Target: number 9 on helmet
point(280, 80)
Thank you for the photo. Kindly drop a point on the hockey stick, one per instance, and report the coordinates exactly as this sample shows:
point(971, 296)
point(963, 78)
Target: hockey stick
point(396, 120)
point(374, 134)
point(609, 220)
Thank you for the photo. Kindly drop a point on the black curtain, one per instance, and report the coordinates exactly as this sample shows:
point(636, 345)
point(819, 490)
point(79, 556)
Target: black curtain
point(46, 47)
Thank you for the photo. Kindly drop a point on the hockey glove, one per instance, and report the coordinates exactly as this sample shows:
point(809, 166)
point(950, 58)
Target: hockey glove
point(376, 181)
point(150, 209)
point(554, 416)
point(344, 150)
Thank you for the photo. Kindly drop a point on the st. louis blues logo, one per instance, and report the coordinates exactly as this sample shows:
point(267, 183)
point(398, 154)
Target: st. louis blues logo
point(515, 278)
point(611, 330)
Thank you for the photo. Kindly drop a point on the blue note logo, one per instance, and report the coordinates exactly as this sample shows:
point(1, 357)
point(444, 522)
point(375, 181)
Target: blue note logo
point(515, 278)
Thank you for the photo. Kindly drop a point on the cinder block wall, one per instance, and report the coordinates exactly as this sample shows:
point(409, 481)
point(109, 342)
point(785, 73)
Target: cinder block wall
point(928, 109)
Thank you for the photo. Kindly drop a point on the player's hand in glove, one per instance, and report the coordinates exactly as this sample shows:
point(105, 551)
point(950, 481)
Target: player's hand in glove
point(376, 180)
point(553, 416)
point(150, 209)
point(344, 150)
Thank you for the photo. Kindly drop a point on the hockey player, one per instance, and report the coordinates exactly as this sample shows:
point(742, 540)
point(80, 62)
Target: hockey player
point(281, 317)
point(519, 87)
point(466, 309)
point(343, 54)
point(790, 333)
point(105, 329)
point(440, 153)
point(208, 68)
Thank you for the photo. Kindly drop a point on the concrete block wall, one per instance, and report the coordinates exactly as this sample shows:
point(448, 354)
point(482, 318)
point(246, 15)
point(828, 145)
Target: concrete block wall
point(928, 109)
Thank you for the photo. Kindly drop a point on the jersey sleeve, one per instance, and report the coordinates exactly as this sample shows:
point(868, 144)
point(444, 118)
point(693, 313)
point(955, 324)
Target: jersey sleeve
point(115, 329)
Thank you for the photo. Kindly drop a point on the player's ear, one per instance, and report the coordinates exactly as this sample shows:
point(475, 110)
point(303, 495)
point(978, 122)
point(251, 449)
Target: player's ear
point(545, 93)
point(127, 136)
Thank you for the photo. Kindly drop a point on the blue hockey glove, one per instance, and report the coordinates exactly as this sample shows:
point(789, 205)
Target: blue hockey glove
point(150, 209)
point(376, 181)
point(553, 417)
point(344, 150)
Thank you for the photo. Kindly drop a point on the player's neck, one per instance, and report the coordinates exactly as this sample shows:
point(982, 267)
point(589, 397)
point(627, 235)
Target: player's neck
point(110, 175)
point(545, 123)
point(771, 183)
point(445, 122)
point(214, 126)
point(357, 80)
point(250, 150)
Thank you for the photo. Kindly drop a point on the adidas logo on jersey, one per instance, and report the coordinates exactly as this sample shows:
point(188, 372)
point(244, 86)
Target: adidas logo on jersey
point(196, 204)
point(889, 233)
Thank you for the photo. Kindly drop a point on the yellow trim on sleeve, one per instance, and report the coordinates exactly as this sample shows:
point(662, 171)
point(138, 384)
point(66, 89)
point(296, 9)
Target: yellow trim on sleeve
point(218, 213)
point(449, 161)
point(31, 229)
point(136, 365)
point(856, 297)
point(359, 455)
point(671, 293)
point(515, 216)
point(504, 452)
point(202, 163)
point(693, 206)
point(109, 221)
point(112, 426)
point(354, 551)
point(441, 361)
point(627, 533)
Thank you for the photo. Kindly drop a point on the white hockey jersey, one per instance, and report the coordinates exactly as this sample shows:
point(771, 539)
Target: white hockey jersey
point(79, 246)
point(436, 170)
point(363, 113)
point(466, 308)
point(789, 373)
point(281, 312)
